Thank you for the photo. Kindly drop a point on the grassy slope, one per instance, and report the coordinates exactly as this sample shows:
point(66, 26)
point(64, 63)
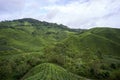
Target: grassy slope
point(96, 41)
point(48, 71)
point(28, 37)
point(92, 52)
point(22, 43)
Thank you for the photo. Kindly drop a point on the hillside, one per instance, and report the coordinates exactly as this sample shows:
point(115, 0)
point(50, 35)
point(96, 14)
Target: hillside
point(30, 35)
point(47, 71)
point(38, 50)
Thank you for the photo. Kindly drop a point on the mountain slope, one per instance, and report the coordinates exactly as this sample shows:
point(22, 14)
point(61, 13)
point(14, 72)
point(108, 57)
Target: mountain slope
point(92, 53)
point(30, 35)
point(32, 49)
point(47, 71)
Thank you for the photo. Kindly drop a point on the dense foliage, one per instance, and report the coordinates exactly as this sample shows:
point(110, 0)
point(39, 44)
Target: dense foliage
point(38, 50)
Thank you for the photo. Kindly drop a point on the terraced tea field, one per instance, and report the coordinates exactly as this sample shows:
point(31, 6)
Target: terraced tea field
point(48, 71)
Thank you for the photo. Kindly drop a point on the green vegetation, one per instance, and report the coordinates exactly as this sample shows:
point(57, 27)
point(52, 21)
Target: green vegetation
point(35, 50)
point(47, 71)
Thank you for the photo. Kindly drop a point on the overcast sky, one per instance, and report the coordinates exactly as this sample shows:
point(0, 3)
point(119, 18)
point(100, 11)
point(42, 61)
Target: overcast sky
point(73, 13)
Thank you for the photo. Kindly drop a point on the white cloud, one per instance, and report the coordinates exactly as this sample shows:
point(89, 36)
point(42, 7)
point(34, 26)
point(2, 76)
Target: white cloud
point(85, 15)
point(73, 13)
point(53, 1)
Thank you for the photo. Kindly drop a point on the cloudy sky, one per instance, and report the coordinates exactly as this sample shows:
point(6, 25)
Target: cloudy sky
point(73, 13)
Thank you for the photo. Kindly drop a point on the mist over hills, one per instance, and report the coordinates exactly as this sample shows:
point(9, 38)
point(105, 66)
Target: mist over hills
point(37, 50)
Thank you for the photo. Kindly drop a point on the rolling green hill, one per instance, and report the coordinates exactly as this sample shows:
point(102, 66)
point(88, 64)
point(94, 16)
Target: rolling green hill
point(38, 50)
point(23, 35)
point(47, 71)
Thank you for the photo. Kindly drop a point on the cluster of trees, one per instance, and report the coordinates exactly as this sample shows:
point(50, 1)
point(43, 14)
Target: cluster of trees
point(14, 67)
point(96, 68)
